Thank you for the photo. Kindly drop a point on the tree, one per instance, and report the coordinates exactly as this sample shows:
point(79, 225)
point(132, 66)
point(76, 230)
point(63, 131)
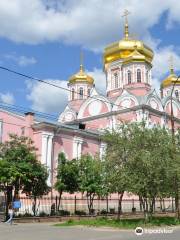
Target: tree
point(91, 179)
point(67, 177)
point(19, 167)
point(116, 158)
point(36, 183)
point(143, 161)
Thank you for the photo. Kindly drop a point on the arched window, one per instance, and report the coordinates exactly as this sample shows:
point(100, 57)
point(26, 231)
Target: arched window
point(72, 93)
point(89, 90)
point(138, 75)
point(81, 93)
point(147, 76)
point(115, 80)
point(129, 77)
point(177, 94)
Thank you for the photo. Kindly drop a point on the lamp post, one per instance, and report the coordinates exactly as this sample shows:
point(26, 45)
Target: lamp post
point(173, 141)
point(172, 114)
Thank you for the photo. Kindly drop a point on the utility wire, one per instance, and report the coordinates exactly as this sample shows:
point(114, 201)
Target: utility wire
point(56, 86)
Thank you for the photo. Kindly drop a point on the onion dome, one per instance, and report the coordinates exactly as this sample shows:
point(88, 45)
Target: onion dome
point(81, 76)
point(125, 47)
point(170, 80)
point(135, 56)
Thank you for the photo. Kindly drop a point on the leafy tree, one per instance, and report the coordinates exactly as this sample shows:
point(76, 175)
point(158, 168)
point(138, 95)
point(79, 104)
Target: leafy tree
point(91, 179)
point(143, 161)
point(36, 184)
point(67, 177)
point(116, 158)
point(18, 167)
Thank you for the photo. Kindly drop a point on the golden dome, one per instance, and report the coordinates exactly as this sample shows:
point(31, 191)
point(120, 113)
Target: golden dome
point(125, 47)
point(170, 80)
point(135, 56)
point(81, 76)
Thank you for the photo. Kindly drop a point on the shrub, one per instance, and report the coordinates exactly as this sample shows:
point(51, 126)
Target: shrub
point(63, 213)
point(103, 211)
point(80, 212)
point(43, 214)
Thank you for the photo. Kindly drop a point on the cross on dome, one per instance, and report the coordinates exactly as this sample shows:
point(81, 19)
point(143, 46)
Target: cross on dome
point(126, 28)
point(171, 64)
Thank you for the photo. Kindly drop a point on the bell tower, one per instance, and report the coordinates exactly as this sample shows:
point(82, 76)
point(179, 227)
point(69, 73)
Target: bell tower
point(127, 64)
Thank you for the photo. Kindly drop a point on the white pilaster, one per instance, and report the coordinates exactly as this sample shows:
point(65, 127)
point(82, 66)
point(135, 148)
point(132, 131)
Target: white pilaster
point(47, 153)
point(102, 150)
point(77, 147)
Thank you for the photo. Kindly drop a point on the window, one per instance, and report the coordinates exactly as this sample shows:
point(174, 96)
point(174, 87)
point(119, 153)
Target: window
point(129, 77)
point(115, 80)
point(81, 93)
point(89, 90)
point(147, 76)
point(72, 93)
point(138, 75)
point(177, 94)
point(22, 131)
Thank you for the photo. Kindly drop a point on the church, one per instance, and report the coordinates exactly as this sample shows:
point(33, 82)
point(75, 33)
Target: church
point(129, 97)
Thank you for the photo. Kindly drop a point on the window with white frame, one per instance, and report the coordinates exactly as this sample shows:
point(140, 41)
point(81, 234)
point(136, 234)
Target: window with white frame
point(81, 93)
point(139, 75)
point(129, 77)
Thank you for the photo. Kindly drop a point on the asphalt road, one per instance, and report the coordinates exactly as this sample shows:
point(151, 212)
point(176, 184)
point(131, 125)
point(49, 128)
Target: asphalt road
point(44, 231)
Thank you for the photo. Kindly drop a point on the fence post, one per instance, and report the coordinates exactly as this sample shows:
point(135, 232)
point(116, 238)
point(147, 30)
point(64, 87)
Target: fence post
point(75, 203)
point(107, 204)
point(56, 203)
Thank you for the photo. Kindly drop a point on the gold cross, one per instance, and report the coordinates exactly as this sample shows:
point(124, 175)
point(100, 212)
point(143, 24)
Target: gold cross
point(125, 15)
point(81, 61)
point(171, 64)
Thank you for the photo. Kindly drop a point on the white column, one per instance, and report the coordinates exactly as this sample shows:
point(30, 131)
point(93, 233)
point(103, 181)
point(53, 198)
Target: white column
point(102, 150)
point(46, 158)
point(77, 147)
point(44, 149)
point(49, 159)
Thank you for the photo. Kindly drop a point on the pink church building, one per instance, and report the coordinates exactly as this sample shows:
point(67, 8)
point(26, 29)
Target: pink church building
point(129, 97)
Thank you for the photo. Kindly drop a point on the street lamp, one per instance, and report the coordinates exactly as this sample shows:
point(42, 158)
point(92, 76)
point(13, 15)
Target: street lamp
point(172, 114)
point(173, 141)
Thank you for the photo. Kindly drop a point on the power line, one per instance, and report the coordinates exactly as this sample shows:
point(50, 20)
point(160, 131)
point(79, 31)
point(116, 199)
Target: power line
point(56, 86)
point(24, 110)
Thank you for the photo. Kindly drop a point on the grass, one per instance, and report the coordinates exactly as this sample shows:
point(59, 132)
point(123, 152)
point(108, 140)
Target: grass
point(123, 223)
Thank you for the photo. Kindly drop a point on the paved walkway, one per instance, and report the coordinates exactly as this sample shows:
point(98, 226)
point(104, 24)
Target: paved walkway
point(44, 231)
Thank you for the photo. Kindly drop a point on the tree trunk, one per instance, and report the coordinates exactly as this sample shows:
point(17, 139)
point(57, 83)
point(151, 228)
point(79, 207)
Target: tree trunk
point(59, 200)
point(120, 204)
point(90, 201)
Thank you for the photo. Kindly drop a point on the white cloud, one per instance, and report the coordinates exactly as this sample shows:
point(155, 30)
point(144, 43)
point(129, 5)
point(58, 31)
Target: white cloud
point(46, 98)
point(89, 23)
point(7, 98)
point(99, 80)
point(22, 61)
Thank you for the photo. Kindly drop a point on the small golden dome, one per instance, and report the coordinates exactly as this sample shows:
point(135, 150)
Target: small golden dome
point(81, 76)
point(125, 47)
point(170, 80)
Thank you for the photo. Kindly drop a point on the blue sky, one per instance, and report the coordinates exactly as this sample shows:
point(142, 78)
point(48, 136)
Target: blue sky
point(45, 40)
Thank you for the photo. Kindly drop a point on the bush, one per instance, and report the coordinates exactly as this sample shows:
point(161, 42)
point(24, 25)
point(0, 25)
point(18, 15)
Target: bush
point(103, 212)
point(63, 213)
point(80, 212)
point(27, 215)
point(43, 214)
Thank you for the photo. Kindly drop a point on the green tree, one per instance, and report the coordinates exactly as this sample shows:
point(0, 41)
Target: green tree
point(67, 177)
point(36, 184)
point(91, 179)
point(18, 167)
point(117, 154)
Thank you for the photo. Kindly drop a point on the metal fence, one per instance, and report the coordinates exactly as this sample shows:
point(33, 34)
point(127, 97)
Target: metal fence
point(48, 206)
